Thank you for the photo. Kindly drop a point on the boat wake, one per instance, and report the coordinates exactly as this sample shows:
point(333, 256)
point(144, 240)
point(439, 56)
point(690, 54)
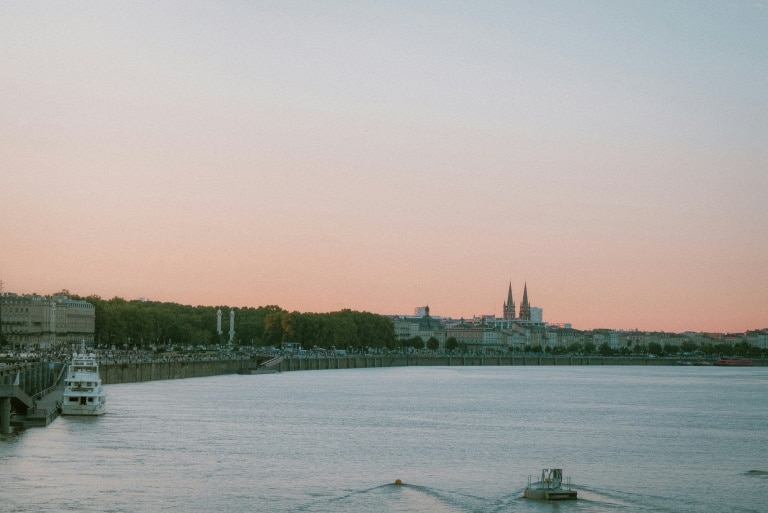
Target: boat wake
point(411, 498)
point(400, 498)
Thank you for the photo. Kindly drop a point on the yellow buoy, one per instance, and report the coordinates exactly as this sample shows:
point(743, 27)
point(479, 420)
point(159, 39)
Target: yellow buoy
point(398, 482)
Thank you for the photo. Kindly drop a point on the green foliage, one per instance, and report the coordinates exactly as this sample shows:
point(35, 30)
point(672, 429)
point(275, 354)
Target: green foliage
point(143, 323)
point(671, 349)
point(417, 342)
point(688, 346)
point(341, 330)
point(605, 349)
point(654, 348)
point(451, 344)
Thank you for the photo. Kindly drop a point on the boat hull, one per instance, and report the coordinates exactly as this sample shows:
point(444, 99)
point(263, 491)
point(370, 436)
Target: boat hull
point(85, 410)
point(550, 495)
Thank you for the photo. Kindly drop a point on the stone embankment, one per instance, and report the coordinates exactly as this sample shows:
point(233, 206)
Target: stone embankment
point(112, 373)
point(356, 362)
point(38, 378)
point(133, 372)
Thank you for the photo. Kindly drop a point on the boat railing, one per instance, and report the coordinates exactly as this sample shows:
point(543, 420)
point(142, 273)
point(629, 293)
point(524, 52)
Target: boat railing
point(546, 482)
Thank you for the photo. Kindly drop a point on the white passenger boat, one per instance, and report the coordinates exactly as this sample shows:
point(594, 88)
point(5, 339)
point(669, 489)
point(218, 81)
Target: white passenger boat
point(549, 487)
point(83, 392)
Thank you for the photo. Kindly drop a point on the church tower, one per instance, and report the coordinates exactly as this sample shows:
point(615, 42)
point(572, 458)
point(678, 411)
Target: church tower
point(509, 305)
point(525, 307)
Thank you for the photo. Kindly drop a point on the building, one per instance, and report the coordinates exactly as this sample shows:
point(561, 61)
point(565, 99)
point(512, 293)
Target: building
point(32, 322)
point(423, 326)
point(508, 313)
point(477, 338)
point(525, 306)
point(528, 313)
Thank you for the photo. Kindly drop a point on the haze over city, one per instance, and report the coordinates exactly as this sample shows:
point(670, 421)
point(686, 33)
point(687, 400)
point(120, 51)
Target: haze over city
point(380, 156)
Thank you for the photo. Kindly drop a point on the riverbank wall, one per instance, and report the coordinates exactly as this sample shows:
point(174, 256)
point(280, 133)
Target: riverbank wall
point(114, 373)
point(358, 362)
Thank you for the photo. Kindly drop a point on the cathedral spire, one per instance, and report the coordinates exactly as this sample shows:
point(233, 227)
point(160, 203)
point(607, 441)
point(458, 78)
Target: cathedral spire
point(509, 305)
point(525, 307)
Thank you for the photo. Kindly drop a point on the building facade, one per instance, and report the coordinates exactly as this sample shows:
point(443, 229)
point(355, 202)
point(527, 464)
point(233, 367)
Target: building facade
point(422, 325)
point(32, 322)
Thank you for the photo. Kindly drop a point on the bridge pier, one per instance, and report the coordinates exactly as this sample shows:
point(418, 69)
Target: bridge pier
point(5, 416)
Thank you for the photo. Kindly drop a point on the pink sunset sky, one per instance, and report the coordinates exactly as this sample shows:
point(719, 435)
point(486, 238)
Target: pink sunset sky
point(380, 156)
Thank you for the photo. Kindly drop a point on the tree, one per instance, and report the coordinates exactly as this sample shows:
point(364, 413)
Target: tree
point(688, 346)
point(273, 329)
point(433, 344)
point(655, 348)
point(451, 344)
point(605, 349)
point(145, 323)
point(417, 343)
point(589, 347)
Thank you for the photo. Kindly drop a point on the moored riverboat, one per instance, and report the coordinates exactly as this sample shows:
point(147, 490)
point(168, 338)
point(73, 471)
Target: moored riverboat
point(83, 391)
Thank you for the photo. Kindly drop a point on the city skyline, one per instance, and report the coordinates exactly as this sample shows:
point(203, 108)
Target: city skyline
point(529, 314)
point(378, 156)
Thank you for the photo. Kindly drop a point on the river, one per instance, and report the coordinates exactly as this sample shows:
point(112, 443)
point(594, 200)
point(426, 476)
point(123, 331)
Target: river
point(461, 439)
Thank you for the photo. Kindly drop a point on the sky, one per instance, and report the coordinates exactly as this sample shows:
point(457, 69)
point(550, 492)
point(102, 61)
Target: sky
point(385, 155)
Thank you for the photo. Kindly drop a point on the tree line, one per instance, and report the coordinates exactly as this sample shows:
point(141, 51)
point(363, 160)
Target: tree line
point(126, 324)
point(686, 348)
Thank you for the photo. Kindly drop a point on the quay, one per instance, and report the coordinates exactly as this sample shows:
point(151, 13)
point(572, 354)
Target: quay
point(366, 361)
point(31, 393)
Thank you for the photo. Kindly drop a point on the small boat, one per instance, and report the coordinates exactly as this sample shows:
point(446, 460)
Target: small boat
point(83, 392)
point(734, 362)
point(549, 487)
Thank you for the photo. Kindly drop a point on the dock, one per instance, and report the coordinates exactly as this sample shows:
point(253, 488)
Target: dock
point(30, 396)
point(46, 409)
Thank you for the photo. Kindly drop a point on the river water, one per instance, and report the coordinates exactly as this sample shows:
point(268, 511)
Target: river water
point(461, 439)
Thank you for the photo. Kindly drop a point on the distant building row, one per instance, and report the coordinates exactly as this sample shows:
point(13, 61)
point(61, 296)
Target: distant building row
point(516, 331)
point(45, 322)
